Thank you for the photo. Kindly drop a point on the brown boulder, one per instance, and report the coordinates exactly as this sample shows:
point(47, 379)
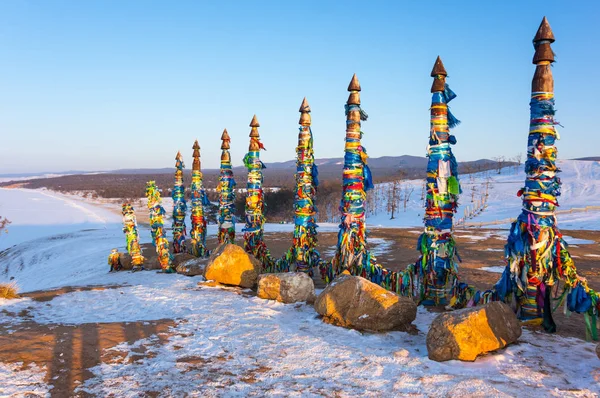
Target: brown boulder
point(467, 333)
point(180, 258)
point(186, 264)
point(288, 287)
point(150, 259)
point(125, 260)
point(598, 350)
point(231, 265)
point(354, 302)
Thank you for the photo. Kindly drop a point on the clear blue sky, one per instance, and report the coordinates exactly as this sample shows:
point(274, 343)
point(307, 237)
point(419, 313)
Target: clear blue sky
point(96, 85)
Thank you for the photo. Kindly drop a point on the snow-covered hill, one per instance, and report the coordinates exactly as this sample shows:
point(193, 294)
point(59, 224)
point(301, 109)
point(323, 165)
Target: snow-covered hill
point(581, 188)
point(38, 213)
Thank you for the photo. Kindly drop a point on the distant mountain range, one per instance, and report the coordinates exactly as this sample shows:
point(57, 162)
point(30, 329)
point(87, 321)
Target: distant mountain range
point(592, 158)
point(131, 183)
point(382, 167)
point(385, 166)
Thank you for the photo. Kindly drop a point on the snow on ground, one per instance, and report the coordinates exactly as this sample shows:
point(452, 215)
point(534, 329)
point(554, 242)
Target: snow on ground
point(472, 237)
point(240, 345)
point(577, 241)
point(377, 246)
point(18, 382)
point(287, 351)
point(73, 258)
point(381, 246)
point(24, 177)
point(580, 188)
point(495, 268)
point(38, 213)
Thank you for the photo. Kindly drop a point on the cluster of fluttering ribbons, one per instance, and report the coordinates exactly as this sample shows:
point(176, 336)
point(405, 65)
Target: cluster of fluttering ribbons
point(114, 260)
point(199, 200)
point(419, 280)
point(351, 252)
point(226, 190)
point(131, 234)
point(437, 265)
point(156, 215)
point(179, 207)
point(534, 244)
point(255, 205)
point(303, 253)
point(537, 255)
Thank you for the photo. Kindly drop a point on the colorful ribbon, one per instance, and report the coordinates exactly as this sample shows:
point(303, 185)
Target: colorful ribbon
point(179, 207)
point(156, 215)
point(303, 254)
point(351, 250)
point(199, 200)
point(536, 252)
point(226, 190)
point(131, 234)
point(431, 276)
point(437, 265)
point(537, 255)
point(254, 208)
point(114, 260)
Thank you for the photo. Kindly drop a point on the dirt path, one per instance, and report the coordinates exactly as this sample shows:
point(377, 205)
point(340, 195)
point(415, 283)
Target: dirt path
point(68, 351)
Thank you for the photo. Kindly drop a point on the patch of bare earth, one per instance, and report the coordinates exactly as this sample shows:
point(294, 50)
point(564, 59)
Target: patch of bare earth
point(69, 351)
point(478, 248)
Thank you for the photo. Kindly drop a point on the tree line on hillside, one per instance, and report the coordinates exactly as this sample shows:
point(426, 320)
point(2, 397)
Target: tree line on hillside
point(279, 183)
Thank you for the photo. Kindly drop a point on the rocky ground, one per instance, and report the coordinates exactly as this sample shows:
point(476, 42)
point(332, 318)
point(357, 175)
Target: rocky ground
point(482, 251)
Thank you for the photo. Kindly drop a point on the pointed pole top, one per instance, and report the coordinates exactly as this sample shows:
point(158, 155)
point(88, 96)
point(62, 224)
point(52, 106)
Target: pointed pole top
point(196, 156)
point(305, 113)
point(544, 32)
point(178, 157)
point(354, 84)
point(438, 68)
point(543, 59)
point(542, 44)
point(254, 130)
point(225, 136)
point(304, 108)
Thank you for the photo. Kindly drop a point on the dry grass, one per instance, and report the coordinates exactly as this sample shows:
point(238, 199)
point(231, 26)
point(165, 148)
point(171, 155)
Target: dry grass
point(8, 290)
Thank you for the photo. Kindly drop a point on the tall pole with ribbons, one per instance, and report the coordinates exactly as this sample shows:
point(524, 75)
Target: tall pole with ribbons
point(179, 207)
point(437, 266)
point(226, 190)
point(536, 252)
point(255, 205)
point(199, 200)
point(351, 251)
point(131, 234)
point(303, 253)
point(159, 237)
